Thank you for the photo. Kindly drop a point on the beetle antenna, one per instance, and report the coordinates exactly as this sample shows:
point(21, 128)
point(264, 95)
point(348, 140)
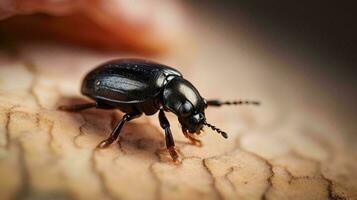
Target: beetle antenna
point(224, 134)
point(240, 102)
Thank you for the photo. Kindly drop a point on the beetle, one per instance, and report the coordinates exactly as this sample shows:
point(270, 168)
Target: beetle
point(138, 86)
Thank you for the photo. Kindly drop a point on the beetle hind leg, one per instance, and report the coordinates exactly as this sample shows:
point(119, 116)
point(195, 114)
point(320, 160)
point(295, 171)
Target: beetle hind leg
point(77, 107)
point(116, 131)
point(84, 106)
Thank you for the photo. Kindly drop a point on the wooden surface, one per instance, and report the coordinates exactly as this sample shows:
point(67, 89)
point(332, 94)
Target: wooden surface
point(291, 147)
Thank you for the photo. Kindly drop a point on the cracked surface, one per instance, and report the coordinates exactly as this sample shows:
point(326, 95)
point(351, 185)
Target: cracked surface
point(283, 149)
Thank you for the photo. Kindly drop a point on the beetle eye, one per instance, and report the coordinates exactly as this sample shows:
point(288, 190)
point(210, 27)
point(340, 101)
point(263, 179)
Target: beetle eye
point(185, 109)
point(194, 120)
point(197, 118)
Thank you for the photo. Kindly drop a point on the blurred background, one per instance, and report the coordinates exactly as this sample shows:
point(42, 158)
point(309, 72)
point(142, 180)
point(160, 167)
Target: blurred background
point(319, 35)
point(298, 58)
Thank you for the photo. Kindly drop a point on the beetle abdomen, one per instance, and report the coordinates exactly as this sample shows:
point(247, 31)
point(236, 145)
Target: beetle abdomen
point(126, 81)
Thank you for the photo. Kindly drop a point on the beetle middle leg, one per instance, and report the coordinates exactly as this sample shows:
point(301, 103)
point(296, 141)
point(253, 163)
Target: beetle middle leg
point(84, 106)
point(116, 131)
point(170, 144)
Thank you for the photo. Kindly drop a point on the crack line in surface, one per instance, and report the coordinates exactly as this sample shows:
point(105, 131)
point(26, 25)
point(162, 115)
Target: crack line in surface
point(330, 191)
point(100, 176)
point(37, 117)
point(93, 163)
point(7, 131)
point(25, 190)
point(269, 180)
point(50, 126)
point(331, 194)
point(270, 166)
point(7, 125)
point(292, 177)
point(213, 182)
point(231, 170)
point(81, 132)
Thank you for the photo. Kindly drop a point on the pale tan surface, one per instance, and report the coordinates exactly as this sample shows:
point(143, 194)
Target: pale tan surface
point(289, 148)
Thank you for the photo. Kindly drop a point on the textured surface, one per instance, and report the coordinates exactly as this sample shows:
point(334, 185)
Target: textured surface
point(285, 149)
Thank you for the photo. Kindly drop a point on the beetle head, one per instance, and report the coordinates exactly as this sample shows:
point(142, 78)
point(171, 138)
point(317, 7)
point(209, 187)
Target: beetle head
point(183, 99)
point(191, 118)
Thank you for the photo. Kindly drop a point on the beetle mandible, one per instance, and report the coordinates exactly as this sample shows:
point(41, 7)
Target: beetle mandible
point(137, 86)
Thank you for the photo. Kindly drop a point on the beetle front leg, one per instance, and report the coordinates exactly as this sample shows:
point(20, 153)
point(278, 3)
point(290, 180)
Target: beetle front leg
point(170, 144)
point(193, 140)
point(117, 128)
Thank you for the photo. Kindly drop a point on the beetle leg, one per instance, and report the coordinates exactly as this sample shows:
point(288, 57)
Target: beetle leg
point(170, 144)
point(77, 107)
point(218, 103)
point(83, 106)
point(116, 131)
point(193, 140)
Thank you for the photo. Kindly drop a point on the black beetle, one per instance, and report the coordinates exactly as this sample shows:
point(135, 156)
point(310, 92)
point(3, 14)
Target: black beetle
point(137, 86)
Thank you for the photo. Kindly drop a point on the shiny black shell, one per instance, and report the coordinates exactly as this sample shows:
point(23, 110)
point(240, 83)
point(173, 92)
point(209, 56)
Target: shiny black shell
point(128, 84)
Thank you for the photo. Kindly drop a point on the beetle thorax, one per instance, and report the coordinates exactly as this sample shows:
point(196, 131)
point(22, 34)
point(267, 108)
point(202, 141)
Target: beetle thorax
point(184, 100)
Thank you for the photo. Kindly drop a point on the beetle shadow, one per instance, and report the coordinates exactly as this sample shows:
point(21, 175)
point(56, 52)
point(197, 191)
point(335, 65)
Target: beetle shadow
point(71, 100)
point(138, 136)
